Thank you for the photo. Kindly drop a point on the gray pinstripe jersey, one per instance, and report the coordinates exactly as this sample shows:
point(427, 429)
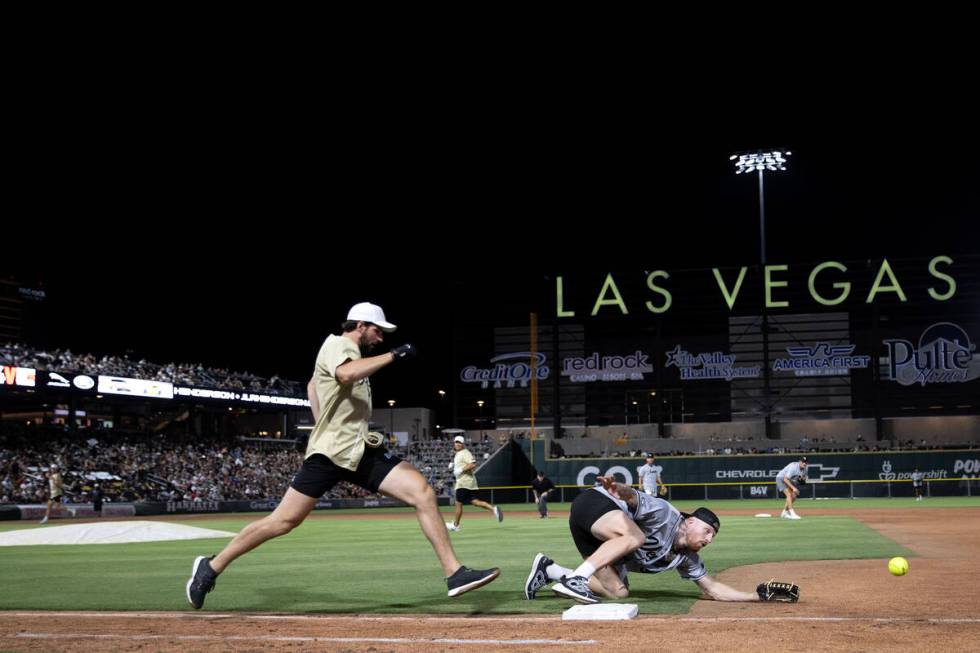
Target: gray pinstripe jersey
point(659, 522)
point(650, 475)
point(791, 471)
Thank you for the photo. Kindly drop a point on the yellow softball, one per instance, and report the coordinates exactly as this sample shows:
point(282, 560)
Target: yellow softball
point(898, 566)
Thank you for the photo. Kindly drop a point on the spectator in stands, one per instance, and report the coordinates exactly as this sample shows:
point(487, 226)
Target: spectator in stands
point(97, 499)
point(178, 373)
point(556, 450)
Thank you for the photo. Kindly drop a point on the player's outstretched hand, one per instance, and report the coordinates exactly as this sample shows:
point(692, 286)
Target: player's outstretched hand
point(402, 351)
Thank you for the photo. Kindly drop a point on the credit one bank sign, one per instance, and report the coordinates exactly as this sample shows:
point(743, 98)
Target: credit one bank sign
point(518, 368)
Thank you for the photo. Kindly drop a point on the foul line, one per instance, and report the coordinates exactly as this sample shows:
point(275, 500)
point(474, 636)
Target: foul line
point(513, 619)
point(273, 638)
point(943, 620)
point(275, 617)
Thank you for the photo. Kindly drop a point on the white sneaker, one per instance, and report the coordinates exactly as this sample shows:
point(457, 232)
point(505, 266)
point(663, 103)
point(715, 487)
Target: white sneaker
point(793, 515)
point(451, 526)
point(785, 515)
point(45, 520)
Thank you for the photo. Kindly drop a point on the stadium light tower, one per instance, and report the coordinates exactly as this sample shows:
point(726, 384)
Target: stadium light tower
point(773, 161)
point(761, 161)
point(480, 403)
point(391, 416)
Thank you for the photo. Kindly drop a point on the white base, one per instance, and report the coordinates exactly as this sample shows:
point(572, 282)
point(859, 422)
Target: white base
point(601, 612)
point(763, 514)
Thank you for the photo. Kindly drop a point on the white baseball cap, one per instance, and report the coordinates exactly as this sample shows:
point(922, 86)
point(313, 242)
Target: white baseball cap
point(368, 312)
point(460, 439)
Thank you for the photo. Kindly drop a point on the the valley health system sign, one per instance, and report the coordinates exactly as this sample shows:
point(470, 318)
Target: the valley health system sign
point(709, 366)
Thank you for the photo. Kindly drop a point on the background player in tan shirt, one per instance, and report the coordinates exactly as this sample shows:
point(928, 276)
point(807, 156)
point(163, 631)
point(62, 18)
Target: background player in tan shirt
point(466, 487)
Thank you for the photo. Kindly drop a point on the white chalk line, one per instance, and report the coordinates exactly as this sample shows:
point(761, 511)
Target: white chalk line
point(508, 619)
point(274, 617)
point(275, 638)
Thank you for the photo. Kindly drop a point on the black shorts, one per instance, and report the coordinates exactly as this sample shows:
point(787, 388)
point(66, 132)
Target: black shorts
point(587, 507)
point(318, 473)
point(57, 499)
point(465, 496)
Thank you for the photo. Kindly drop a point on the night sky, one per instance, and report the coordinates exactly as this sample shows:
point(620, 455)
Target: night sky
point(248, 260)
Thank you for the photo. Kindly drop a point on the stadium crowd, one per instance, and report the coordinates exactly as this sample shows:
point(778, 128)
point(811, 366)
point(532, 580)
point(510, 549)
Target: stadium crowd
point(432, 458)
point(137, 468)
point(189, 374)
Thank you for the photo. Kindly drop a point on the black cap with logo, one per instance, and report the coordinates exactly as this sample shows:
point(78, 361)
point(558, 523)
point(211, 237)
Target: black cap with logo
point(705, 515)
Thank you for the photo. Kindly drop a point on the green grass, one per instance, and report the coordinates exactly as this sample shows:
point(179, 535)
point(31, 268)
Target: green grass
point(386, 566)
point(775, 506)
point(772, 506)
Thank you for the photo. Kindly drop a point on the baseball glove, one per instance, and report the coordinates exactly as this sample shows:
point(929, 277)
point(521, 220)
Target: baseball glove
point(662, 491)
point(775, 590)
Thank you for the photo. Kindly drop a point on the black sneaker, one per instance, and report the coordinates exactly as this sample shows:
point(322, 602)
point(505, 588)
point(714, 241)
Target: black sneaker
point(201, 582)
point(576, 587)
point(498, 513)
point(538, 577)
point(466, 579)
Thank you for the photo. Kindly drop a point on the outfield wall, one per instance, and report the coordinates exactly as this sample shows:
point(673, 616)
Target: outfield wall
point(879, 466)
